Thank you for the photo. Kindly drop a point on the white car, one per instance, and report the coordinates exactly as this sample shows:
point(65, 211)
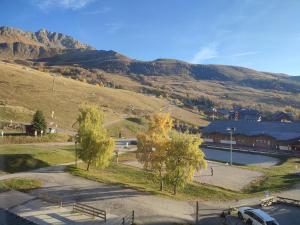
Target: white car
point(255, 216)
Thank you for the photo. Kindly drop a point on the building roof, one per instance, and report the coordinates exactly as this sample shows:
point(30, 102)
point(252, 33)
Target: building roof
point(282, 115)
point(277, 130)
point(247, 114)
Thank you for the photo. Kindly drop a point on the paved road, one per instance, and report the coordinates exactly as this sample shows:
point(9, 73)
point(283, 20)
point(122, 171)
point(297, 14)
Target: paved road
point(240, 157)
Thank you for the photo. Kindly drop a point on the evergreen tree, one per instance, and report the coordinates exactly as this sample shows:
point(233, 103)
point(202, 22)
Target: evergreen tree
point(39, 122)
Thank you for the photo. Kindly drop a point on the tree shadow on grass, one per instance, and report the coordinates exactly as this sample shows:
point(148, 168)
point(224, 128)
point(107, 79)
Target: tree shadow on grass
point(12, 163)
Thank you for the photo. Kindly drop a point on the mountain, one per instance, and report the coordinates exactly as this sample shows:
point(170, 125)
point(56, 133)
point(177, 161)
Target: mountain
point(15, 43)
point(114, 62)
point(226, 85)
point(24, 90)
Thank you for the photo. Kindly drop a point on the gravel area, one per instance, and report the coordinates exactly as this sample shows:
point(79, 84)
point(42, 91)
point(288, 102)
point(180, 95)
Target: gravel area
point(222, 175)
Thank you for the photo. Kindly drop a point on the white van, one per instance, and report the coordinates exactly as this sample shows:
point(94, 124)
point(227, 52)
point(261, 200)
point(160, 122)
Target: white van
point(256, 216)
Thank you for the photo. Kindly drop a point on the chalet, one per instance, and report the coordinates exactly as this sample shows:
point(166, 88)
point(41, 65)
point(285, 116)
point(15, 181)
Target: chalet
point(29, 129)
point(268, 136)
point(215, 113)
point(251, 115)
point(282, 117)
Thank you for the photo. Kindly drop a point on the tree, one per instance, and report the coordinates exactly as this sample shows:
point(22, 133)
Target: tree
point(184, 157)
point(96, 145)
point(153, 144)
point(39, 122)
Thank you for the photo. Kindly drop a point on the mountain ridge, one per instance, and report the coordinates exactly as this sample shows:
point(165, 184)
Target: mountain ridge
point(16, 43)
point(56, 49)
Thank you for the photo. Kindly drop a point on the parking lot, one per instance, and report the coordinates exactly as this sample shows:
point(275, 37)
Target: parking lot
point(240, 157)
point(284, 214)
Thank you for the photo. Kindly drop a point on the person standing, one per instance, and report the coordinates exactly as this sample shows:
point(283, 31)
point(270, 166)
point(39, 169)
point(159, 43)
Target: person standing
point(211, 171)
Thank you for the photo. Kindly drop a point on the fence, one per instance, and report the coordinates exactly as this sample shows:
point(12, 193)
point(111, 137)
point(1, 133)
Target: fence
point(89, 210)
point(128, 220)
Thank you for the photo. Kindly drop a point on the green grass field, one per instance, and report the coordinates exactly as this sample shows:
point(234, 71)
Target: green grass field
point(276, 178)
point(18, 158)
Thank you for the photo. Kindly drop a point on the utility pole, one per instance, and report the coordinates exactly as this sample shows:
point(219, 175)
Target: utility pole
point(76, 153)
point(197, 212)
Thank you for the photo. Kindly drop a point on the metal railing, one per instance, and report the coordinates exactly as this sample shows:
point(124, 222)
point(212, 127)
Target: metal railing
point(89, 210)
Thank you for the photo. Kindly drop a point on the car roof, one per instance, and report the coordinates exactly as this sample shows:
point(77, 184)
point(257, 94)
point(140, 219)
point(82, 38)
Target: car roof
point(262, 214)
point(245, 208)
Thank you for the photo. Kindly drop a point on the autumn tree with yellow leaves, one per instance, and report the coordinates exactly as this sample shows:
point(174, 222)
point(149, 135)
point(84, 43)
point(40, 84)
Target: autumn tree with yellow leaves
point(96, 145)
point(183, 158)
point(172, 156)
point(153, 144)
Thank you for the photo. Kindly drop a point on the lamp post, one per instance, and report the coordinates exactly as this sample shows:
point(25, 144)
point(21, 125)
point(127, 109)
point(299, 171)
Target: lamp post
point(214, 111)
point(231, 130)
point(76, 155)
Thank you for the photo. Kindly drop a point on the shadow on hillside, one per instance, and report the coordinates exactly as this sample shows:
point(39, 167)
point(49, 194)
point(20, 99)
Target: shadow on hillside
point(12, 163)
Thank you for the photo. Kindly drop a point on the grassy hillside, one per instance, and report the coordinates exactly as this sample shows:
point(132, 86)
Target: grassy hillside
point(31, 90)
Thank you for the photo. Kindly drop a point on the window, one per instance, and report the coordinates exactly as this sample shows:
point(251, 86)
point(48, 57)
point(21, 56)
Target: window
point(271, 223)
point(258, 219)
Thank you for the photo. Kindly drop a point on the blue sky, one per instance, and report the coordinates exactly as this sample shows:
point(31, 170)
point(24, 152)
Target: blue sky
point(260, 34)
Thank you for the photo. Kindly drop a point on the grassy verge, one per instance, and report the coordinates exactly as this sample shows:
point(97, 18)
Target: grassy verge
point(276, 178)
point(141, 180)
point(59, 137)
point(18, 158)
point(20, 184)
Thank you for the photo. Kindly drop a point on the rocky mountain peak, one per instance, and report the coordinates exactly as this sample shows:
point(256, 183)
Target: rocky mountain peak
point(42, 37)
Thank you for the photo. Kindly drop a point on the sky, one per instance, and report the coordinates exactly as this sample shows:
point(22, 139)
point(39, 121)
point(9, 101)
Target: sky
point(260, 34)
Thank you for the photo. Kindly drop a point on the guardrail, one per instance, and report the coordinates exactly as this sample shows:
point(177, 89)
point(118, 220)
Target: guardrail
point(290, 201)
point(89, 210)
point(277, 199)
point(271, 152)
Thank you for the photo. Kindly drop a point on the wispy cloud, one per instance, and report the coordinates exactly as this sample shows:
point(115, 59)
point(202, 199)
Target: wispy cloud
point(113, 28)
point(105, 9)
point(205, 53)
point(244, 53)
point(65, 4)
